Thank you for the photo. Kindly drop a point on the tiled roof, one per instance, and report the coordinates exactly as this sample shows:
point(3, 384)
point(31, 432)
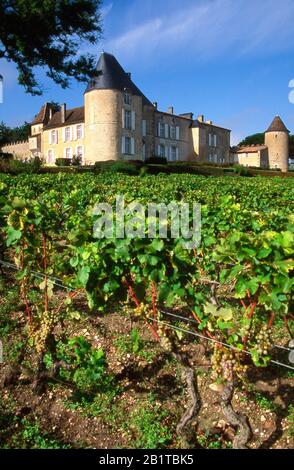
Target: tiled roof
point(73, 116)
point(197, 123)
point(277, 126)
point(41, 116)
point(249, 149)
point(111, 76)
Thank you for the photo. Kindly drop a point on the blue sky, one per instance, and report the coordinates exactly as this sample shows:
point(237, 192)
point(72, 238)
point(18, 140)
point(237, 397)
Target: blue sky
point(231, 60)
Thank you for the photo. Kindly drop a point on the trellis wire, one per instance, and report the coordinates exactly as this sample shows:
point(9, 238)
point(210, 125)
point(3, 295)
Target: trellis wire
point(190, 320)
point(42, 275)
point(216, 341)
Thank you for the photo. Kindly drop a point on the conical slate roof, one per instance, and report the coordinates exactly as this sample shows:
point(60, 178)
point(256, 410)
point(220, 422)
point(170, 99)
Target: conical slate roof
point(277, 126)
point(111, 76)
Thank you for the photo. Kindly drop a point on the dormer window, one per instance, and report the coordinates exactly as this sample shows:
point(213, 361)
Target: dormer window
point(127, 98)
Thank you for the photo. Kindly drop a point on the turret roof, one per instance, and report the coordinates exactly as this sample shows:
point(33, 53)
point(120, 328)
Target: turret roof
point(111, 76)
point(277, 126)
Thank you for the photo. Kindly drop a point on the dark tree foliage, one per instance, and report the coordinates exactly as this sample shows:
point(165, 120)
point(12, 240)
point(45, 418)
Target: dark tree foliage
point(255, 139)
point(49, 34)
point(13, 134)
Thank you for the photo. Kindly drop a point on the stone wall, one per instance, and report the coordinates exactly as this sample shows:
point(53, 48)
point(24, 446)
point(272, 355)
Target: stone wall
point(19, 150)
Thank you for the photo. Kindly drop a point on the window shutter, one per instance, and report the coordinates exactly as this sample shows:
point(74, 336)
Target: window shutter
point(158, 130)
point(123, 147)
point(215, 137)
point(56, 136)
point(123, 118)
point(166, 152)
point(63, 134)
point(133, 121)
point(132, 146)
point(75, 133)
point(144, 130)
point(177, 154)
point(166, 131)
point(82, 131)
point(158, 151)
point(177, 133)
point(50, 137)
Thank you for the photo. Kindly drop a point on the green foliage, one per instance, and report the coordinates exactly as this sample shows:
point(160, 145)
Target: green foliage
point(87, 365)
point(246, 248)
point(50, 34)
point(14, 134)
point(30, 436)
point(255, 139)
point(150, 428)
point(63, 161)
point(241, 170)
point(131, 343)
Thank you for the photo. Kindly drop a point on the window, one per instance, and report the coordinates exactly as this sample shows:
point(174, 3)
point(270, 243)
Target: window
point(50, 157)
point(173, 153)
point(161, 129)
point(128, 119)
point(173, 133)
point(54, 137)
point(80, 152)
point(162, 151)
point(128, 149)
point(212, 140)
point(67, 134)
point(127, 98)
point(79, 131)
point(68, 153)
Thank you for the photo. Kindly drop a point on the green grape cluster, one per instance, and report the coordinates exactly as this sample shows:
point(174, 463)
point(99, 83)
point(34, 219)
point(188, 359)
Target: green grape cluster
point(226, 363)
point(263, 341)
point(166, 337)
point(41, 331)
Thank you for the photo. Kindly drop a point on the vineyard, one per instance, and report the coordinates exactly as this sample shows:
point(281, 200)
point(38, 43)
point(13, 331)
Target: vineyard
point(141, 342)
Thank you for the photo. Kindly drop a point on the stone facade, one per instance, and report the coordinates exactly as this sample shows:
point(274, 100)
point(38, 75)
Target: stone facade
point(278, 149)
point(117, 122)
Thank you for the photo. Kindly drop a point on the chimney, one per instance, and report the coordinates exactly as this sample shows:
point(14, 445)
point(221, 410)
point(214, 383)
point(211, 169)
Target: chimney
point(155, 104)
point(200, 118)
point(50, 113)
point(129, 75)
point(63, 113)
point(170, 110)
point(209, 122)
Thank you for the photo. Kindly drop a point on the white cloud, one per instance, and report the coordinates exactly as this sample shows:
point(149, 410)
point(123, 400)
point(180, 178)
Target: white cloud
point(106, 10)
point(210, 28)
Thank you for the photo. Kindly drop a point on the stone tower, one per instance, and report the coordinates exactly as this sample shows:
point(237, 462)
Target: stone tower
point(277, 141)
point(105, 105)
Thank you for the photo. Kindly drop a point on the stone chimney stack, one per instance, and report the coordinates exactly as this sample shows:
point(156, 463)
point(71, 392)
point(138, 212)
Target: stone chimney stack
point(200, 118)
point(170, 110)
point(129, 75)
point(155, 104)
point(63, 113)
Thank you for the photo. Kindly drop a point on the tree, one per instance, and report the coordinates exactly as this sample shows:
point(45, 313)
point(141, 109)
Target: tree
point(49, 34)
point(255, 139)
point(14, 134)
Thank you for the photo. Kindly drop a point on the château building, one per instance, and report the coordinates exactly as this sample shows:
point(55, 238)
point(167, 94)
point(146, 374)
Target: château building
point(118, 122)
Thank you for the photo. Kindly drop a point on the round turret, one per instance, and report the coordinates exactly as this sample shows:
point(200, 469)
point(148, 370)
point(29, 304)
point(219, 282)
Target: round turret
point(277, 141)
